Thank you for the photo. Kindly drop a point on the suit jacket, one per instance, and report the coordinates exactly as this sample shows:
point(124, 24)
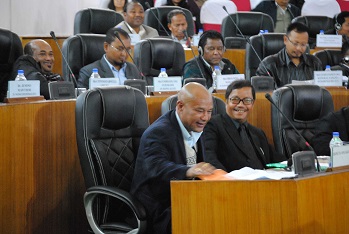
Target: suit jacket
point(224, 147)
point(191, 69)
point(149, 31)
point(161, 158)
point(104, 71)
point(333, 122)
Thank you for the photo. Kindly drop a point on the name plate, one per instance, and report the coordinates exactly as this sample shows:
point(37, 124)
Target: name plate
point(134, 38)
point(165, 84)
point(328, 78)
point(340, 156)
point(103, 82)
point(23, 88)
point(324, 40)
point(223, 81)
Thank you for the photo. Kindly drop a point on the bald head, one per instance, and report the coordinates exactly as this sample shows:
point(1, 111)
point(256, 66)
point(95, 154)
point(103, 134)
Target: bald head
point(194, 106)
point(42, 52)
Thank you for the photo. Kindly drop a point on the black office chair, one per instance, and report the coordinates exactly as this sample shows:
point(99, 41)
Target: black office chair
point(263, 83)
point(304, 106)
point(250, 23)
point(161, 13)
point(329, 57)
point(265, 45)
point(152, 54)
point(10, 50)
point(98, 21)
point(109, 124)
point(170, 104)
point(315, 24)
point(81, 50)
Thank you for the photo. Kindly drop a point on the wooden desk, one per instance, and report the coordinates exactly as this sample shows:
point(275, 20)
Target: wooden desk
point(310, 205)
point(41, 181)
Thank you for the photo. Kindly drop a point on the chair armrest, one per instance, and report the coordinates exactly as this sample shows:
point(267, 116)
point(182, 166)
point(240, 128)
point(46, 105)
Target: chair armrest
point(119, 194)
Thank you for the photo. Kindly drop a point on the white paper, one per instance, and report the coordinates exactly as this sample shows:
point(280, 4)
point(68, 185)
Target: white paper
point(248, 173)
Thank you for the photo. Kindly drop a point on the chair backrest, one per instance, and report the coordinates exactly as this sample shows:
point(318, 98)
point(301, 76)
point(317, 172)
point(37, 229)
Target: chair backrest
point(109, 124)
point(250, 23)
point(81, 50)
point(329, 57)
point(327, 8)
point(161, 13)
point(10, 50)
point(235, 43)
point(152, 54)
point(263, 83)
point(265, 45)
point(170, 104)
point(316, 23)
point(94, 20)
point(304, 106)
point(212, 13)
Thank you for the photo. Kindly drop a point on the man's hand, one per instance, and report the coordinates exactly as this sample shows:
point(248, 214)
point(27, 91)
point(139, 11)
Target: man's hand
point(200, 169)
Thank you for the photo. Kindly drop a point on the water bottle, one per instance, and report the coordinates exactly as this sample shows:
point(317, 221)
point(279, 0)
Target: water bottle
point(335, 141)
point(20, 75)
point(328, 68)
point(95, 73)
point(322, 32)
point(261, 32)
point(201, 31)
point(163, 72)
point(216, 72)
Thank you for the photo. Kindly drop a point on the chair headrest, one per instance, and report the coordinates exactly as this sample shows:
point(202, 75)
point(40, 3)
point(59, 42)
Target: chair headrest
point(305, 97)
point(114, 104)
point(160, 56)
point(11, 47)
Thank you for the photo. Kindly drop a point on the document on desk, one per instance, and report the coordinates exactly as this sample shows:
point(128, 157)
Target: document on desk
point(248, 173)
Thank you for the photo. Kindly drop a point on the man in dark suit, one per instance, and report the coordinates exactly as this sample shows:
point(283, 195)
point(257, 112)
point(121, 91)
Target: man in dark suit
point(172, 149)
point(113, 63)
point(231, 142)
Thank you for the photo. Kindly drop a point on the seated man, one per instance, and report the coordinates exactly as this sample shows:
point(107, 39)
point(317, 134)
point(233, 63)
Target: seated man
point(292, 62)
point(344, 64)
point(133, 21)
point(113, 63)
point(37, 63)
point(332, 122)
point(341, 24)
point(280, 11)
point(172, 149)
point(211, 49)
point(177, 23)
point(231, 142)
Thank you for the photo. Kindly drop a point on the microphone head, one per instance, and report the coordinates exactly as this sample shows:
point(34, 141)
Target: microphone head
point(224, 8)
point(147, 4)
point(267, 96)
point(52, 33)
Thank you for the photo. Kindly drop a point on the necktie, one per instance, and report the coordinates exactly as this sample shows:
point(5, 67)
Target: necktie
point(253, 161)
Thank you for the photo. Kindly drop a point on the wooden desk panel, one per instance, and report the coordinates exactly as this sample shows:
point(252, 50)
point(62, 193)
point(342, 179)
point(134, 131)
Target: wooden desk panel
point(309, 205)
point(41, 184)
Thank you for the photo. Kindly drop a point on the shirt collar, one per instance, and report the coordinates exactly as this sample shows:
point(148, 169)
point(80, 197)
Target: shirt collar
point(123, 67)
point(190, 138)
point(141, 29)
point(221, 64)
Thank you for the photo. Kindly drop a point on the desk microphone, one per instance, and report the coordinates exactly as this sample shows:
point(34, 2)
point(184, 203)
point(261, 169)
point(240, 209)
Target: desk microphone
point(163, 28)
point(248, 41)
point(192, 51)
point(65, 60)
point(118, 37)
point(289, 162)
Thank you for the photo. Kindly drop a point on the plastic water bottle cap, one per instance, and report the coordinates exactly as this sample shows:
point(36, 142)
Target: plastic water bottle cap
point(95, 70)
point(216, 68)
point(201, 30)
point(322, 32)
point(266, 31)
point(163, 69)
point(335, 134)
point(20, 72)
point(328, 67)
point(261, 31)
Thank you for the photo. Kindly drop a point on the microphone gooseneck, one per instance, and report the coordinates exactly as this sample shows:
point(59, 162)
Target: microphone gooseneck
point(148, 5)
point(267, 96)
point(247, 40)
point(117, 36)
point(192, 51)
point(65, 60)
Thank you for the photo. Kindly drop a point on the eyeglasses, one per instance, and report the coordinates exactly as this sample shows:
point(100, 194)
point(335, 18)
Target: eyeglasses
point(237, 100)
point(297, 44)
point(121, 49)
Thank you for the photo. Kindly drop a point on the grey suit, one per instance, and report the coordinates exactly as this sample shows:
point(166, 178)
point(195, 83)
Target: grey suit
point(149, 31)
point(104, 71)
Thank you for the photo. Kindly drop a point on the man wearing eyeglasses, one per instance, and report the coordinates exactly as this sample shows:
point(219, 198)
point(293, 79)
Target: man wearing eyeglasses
point(231, 143)
point(291, 62)
point(113, 63)
point(211, 49)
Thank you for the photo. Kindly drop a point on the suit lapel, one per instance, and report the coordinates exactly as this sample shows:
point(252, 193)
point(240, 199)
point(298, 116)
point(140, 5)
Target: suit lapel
point(106, 69)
